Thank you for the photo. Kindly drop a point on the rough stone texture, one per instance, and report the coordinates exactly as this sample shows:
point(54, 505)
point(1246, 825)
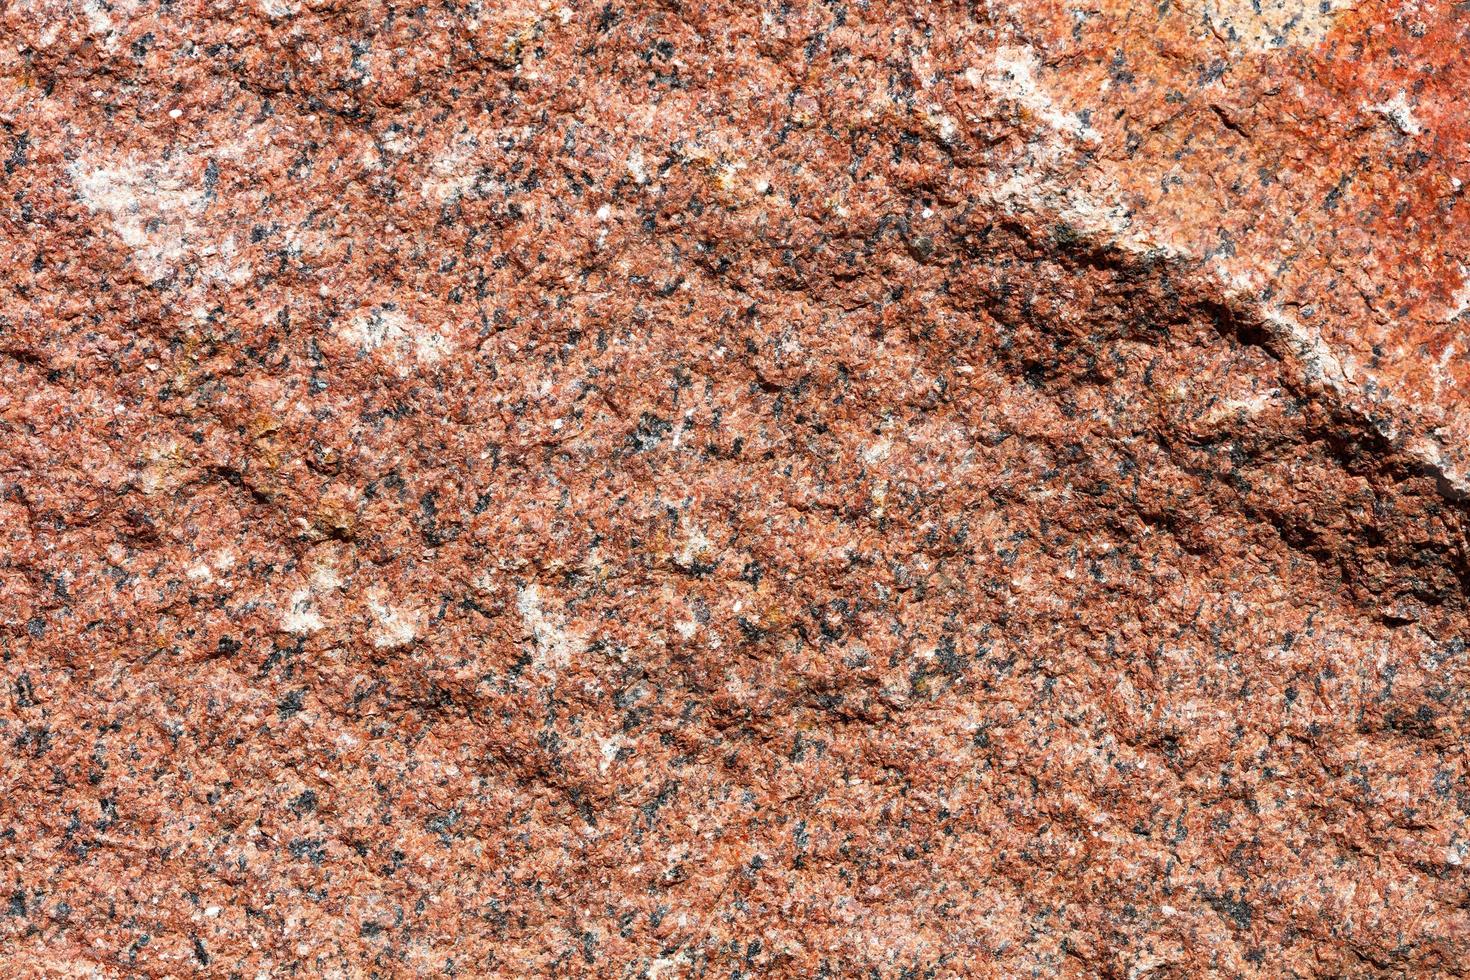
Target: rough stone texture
point(682, 489)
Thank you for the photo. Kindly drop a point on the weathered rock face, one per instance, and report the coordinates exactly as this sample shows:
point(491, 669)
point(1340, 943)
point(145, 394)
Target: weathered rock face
point(698, 490)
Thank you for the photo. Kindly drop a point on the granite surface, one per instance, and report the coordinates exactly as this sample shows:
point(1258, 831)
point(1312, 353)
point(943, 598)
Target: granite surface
point(693, 489)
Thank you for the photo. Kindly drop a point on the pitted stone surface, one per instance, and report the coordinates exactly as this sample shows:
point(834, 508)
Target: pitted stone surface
point(683, 489)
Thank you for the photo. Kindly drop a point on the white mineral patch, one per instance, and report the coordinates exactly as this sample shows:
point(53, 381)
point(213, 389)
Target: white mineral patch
point(1398, 111)
point(276, 9)
point(325, 577)
point(301, 616)
point(395, 626)
point(158, 211)
point(1440, 370)
point(1267, 25)
point(608, 749)
point(162, 469)
point(1320, 360)
point(877, 451)
point(944, 125)
point(404, 341)
point(1012, 75)
point(1460, 302)
point(695, 544)
point(452, 174)
point(637, 167)
point(552, 638)
point(99, 21)
point(151, 208)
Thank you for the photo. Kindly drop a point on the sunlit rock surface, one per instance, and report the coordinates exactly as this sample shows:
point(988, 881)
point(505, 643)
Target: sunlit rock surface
point(696, 490)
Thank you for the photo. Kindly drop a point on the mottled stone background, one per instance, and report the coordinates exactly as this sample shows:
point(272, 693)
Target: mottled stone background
point(691, 489)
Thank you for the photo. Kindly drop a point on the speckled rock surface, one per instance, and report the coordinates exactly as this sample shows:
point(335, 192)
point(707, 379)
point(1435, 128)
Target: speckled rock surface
point(697, 490)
